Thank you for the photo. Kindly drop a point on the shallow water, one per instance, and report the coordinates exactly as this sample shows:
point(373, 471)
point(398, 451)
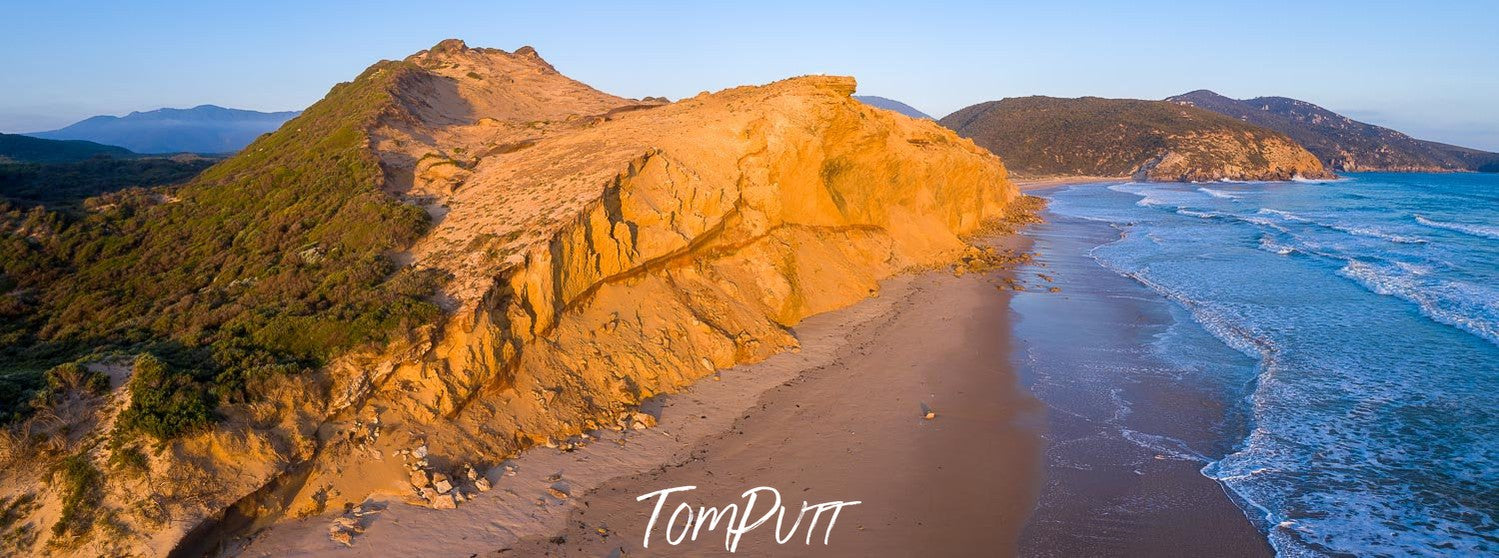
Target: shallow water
point(1371, 307)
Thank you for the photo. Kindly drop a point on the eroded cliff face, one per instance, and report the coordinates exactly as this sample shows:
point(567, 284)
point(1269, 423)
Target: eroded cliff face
point(1237, 156)
point(600, 251)
point(601, 260)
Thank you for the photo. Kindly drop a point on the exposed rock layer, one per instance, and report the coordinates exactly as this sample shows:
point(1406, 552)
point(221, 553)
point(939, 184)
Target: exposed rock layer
point(1148, 140)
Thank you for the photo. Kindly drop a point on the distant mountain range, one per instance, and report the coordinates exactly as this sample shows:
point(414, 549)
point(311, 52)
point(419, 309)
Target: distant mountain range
point(201, 129)
point(892, 104)
point(1341, 142)
point(1148, 140)
point(16, 148)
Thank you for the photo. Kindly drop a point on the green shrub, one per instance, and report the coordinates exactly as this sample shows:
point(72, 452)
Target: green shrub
point(81, 487)
point(165, 402)
point(129, 459)
point(206, 276)
point(73, 376)
point(67, 185)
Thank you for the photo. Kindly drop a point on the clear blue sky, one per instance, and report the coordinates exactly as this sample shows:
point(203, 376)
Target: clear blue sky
point(1427, 68)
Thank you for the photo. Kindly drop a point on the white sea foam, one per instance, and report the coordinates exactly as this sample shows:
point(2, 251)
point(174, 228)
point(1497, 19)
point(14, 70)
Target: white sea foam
point(1481, 231)
point(1305, 180)
point(1373, 232)
point(1150, 195)
point(1270, 245)
point(1469, 307)
point(1199, 214)
point(1164, 446)
point(1284, 215)
point(1220, 194)
point(1240, 338)
point(1356, 230)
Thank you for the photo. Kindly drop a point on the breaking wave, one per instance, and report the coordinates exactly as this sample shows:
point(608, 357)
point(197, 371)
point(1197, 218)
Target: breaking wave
point(1481, 231)
point(1220, 194)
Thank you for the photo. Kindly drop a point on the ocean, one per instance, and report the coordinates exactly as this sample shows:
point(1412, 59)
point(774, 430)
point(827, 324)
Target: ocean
point(1363, 414)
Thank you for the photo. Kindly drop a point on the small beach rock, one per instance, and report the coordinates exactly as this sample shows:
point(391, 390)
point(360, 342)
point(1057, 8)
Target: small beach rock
point(482, 484)
point(641, 421)
point(444, 502)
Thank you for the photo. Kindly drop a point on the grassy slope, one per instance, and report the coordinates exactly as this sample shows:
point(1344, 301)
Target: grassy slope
point(270, 262)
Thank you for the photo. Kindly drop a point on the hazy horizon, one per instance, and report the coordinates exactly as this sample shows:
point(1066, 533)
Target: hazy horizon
point(1425, 70)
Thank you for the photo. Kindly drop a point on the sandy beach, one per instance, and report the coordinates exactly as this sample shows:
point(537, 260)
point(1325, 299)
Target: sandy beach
point(1035, 183)
point(842, 419)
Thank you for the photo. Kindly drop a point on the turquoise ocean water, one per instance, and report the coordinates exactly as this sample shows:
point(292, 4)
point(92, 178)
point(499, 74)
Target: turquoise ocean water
point(1371, 307)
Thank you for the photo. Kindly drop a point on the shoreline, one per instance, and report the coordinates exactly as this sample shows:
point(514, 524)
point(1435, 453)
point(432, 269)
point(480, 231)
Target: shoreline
point(838, 419)
point(1128, 431)
point(1037, 183)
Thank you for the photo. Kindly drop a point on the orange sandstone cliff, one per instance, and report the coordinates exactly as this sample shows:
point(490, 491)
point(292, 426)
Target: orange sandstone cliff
point(599, 251)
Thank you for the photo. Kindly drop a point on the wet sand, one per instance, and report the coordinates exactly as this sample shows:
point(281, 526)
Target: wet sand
point(1128, 433)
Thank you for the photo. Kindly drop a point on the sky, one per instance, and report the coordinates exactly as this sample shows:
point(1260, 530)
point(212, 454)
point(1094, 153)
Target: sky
point(1430, 69)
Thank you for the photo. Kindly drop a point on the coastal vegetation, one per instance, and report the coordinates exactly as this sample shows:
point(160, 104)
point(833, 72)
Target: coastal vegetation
point(65, 186)
point(1047, 136)
point(1341, 142)
point(269, 263)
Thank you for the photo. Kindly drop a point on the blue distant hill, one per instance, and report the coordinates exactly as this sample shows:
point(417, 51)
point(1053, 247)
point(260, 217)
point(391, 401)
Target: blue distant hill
point(15, 148)
point(892, 104)
point(201, 129)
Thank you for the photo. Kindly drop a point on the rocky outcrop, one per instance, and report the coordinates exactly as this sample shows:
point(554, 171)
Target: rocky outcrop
point(1343, 143)
point(600, 260)
point(1208, 156)
point(599, 251)
point(1145, 140)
